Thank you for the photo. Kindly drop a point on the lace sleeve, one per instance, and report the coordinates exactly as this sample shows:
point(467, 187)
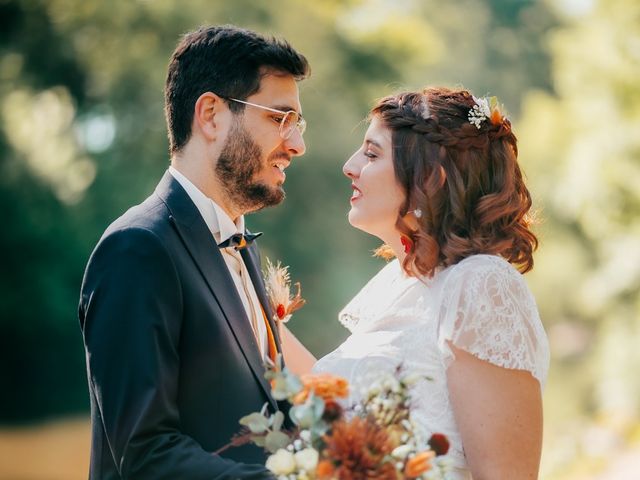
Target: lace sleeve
point(488, 311)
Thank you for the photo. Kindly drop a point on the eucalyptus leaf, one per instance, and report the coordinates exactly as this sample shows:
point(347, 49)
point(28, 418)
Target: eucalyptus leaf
point(256, 422)
point(258, 440)
point(276, 420)
point(294, 385)
point(279, 389)
point(276, 440)
point(318, 430)
point(302, 415)
point(317, 404)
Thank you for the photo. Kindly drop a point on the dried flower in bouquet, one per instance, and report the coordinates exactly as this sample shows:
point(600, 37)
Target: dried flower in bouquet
point(374, 439)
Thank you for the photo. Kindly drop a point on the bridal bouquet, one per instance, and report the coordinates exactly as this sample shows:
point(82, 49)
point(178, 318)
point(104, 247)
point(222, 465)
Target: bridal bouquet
point(375, 439)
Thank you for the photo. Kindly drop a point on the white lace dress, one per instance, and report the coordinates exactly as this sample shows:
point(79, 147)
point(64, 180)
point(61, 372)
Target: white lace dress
point(482, 305)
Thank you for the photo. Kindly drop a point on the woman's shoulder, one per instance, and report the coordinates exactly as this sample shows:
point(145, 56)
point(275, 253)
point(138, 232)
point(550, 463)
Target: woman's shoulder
point(479, 268)
point(483, 262)
point(489, 311)
point(487, 286)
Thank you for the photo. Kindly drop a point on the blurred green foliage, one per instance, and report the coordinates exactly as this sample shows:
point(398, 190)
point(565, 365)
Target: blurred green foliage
point(82, 138)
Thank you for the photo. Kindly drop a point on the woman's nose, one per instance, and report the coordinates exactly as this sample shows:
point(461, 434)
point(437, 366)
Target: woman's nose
point(351, 168)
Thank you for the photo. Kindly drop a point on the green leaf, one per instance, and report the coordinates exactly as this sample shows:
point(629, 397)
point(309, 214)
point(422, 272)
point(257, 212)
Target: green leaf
point(276, 440)
point(317, 405)
point(309, 413)
point(318, 430)
point(279, 390)
point(258, 440)
point(294, 385)
point(276, 421)
point(256, 422)
point(302, 415)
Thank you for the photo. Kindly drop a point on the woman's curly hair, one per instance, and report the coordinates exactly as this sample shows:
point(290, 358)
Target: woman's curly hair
point(465, 180)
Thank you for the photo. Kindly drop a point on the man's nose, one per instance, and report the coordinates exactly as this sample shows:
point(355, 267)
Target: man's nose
point(295, 144)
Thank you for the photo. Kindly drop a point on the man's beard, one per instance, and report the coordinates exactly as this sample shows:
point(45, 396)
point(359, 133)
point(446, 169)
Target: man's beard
point(238, 164)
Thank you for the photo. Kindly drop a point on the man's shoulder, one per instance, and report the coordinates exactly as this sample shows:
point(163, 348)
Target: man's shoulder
point(152, 215)
point(145, 227)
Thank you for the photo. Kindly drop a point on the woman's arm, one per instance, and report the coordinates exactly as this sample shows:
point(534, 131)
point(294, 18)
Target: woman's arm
point(296, 356)
point(499, 415)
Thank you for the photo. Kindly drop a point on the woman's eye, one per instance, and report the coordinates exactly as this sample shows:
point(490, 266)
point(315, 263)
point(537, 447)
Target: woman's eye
point(369, 154)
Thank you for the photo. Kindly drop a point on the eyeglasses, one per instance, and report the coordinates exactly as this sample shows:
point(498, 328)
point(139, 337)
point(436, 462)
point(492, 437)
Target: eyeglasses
point(290, 119)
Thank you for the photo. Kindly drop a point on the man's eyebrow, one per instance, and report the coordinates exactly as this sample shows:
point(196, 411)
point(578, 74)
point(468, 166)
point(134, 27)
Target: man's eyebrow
point(285, 108)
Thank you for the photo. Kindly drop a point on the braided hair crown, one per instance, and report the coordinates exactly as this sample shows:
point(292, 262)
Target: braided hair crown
point(442, 116)
point(461, 170)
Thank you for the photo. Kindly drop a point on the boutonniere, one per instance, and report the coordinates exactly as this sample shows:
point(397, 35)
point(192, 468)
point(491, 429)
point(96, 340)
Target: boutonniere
point(278, 284)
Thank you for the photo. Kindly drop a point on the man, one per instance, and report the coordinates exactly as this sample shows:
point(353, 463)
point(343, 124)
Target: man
point(173, 310)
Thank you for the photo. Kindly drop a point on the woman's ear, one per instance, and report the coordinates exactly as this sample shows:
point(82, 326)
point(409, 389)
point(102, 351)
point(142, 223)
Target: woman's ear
point(412, 218)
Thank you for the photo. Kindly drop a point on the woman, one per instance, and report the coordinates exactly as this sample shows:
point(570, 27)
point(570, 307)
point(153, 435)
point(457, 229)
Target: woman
point(437, 180)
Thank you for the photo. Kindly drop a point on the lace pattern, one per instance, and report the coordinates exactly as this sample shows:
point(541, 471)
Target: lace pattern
point(488, 311)
point(481, 305)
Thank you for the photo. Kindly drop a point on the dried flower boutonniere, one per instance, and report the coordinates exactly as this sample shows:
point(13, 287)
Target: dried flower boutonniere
point(278, 284)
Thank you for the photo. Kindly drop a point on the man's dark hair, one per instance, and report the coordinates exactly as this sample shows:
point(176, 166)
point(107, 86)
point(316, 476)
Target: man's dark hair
point(226, 60)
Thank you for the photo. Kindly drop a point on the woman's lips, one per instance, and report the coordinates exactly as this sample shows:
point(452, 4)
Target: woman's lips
point(356, 193)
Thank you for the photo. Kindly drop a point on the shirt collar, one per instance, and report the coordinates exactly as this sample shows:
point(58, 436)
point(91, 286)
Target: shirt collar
point(217, 220)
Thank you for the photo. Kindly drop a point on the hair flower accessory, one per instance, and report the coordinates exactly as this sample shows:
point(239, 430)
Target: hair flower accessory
point(485, 108)
point(278, 284)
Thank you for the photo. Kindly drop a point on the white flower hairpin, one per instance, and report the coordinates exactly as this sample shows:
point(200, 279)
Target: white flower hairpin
point(484, 108)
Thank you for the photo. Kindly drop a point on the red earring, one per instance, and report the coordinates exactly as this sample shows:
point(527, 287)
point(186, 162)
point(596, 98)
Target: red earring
point(406, 243)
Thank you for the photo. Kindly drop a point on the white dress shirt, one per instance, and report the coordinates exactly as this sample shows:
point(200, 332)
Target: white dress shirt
point(222, 227)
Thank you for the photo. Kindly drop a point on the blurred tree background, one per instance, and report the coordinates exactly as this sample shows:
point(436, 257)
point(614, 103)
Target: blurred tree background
point(82, 138)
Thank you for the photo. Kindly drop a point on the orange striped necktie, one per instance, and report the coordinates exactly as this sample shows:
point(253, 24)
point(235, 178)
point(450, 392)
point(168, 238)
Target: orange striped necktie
point(273, 349)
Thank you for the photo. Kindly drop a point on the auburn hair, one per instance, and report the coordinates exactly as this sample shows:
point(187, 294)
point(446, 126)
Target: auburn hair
point(465, 179)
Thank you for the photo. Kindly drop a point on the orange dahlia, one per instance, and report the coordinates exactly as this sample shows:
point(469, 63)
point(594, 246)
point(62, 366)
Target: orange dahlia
point(358, 449)
point(324, 470)
point(323, 385)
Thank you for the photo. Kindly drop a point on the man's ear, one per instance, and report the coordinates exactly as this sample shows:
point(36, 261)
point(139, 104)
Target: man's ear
point(208, 115)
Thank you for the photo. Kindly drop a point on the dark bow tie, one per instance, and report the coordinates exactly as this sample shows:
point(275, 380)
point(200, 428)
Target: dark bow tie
point(239, 241)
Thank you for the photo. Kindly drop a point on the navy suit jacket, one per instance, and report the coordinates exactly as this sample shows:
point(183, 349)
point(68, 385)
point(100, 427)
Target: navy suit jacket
point(172, 362)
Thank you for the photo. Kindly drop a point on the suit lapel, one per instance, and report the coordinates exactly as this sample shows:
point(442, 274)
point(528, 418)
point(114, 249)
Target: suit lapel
point(252, 261)
point(208, 259)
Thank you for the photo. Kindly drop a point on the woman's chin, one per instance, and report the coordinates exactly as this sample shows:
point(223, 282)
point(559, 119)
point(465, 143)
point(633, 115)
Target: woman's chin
point(354, 218)
point(356, 221)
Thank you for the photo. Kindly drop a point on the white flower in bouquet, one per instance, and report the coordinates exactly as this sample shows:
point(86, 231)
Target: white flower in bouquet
point(282, 462)
point(402, 451)
point(307, 459)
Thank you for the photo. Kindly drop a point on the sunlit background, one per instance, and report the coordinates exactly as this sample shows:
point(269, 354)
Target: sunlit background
point(82, 137)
